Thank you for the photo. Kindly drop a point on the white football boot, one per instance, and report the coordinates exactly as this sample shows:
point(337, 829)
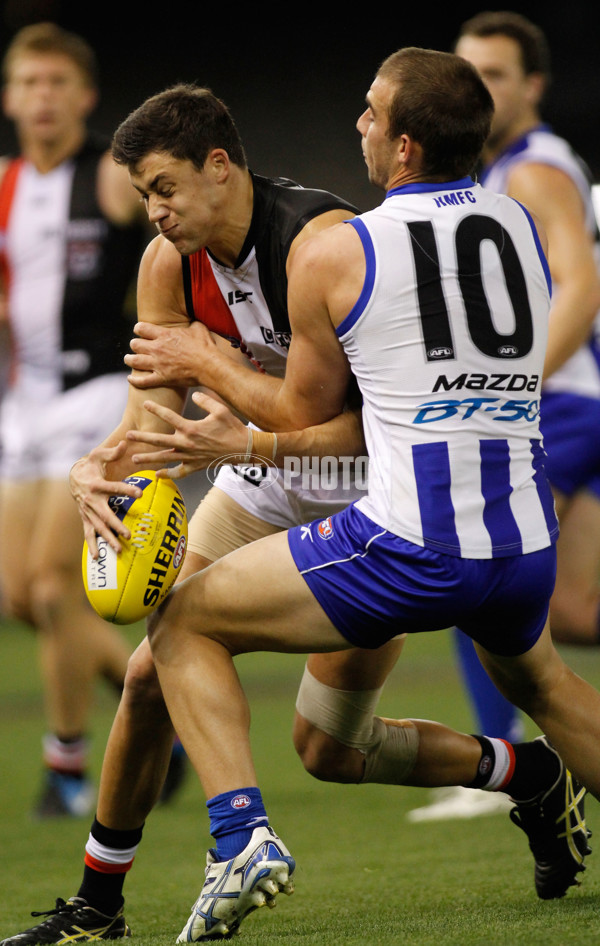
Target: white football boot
point(233, 889)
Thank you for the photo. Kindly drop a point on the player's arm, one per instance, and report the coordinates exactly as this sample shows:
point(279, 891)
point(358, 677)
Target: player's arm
point(325, 282)
point(221, 436)
point(117, 197)
point(553, 197)
point(98, 476)
point(191, 354)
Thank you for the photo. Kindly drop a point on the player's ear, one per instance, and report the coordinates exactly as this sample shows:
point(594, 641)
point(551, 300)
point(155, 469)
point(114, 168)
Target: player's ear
point(219, 165)
point(536, 87)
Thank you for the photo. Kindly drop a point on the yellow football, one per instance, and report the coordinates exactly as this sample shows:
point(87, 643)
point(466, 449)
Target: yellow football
point(124, 588)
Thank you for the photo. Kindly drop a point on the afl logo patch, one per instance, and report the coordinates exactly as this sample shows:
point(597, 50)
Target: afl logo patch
point(240, 801)
point(437, 354)
point(179, 553)
point(326, 528)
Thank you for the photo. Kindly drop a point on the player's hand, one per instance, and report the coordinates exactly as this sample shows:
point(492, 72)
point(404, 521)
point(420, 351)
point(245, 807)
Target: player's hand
point(92, 491)
point(170, 356)
point(194, 444)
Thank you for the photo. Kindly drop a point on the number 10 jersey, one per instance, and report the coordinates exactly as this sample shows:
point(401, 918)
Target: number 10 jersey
point(447, 342)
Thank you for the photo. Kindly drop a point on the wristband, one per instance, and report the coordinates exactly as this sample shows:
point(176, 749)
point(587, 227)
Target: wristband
point(263, 445)
point(249, 444)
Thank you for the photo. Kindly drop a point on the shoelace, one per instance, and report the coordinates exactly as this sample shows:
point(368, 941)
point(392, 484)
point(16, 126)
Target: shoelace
point(61, 907)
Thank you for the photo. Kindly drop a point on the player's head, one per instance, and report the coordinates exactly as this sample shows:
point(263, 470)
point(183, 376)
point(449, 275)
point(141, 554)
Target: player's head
point(511, 55)
point(184, 121)
point(533, 46)
point(44, 39)
point(50, 84)
point(439, 101)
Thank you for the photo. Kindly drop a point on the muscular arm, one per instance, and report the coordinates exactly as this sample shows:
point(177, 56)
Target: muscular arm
point(222, 437)
point(325, 282)
point(191, 355)
point(553, 197)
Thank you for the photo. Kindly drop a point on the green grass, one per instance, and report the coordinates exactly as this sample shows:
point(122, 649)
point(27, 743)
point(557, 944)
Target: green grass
point(365, 875)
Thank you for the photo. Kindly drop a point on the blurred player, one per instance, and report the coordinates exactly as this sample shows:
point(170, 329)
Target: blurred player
point(71, 235)
point(526, 160)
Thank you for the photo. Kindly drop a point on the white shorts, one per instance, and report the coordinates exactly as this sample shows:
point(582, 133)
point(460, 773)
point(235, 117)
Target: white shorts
point(265, 493)
point(42, 437)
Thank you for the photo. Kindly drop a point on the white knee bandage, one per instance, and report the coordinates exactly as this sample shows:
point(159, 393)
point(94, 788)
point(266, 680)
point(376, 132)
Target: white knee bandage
point(349, 717)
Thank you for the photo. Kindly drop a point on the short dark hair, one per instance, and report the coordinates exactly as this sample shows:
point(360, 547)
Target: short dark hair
point(442, 103)
point(531, 40)
point(51, 38)
point(185, 121)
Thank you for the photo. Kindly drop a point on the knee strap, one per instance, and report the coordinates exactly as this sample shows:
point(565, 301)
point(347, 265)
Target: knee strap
point(392, 753)
point(348, 716)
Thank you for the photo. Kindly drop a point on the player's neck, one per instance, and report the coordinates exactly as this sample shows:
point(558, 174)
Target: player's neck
point(49, 154)
point(233, 228)
point(498, 143)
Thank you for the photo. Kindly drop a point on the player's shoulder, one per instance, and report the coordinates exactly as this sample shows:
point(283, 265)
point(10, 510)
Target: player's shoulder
point(284, 207)
point(288, 214)
point(337, 248)
point(160, 274)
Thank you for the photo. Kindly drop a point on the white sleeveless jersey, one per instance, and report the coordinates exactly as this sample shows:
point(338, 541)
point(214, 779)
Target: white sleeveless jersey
point(35, 244)
point(447, 343)
point(581, 373)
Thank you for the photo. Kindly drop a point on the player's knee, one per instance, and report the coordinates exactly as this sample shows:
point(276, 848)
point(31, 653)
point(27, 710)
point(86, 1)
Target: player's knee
point(15, 603)
point(142, 688)
point(51, 591)
point(339, 738)
point(322, 756)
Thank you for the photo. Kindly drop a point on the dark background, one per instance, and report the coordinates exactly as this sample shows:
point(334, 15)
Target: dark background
point(295, 76)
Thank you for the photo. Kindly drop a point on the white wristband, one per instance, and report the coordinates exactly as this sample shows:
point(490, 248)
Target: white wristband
point(249, 445)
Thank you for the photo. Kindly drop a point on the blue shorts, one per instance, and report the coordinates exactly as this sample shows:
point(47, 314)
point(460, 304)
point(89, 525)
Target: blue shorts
point(374, 585)
point(570, 426)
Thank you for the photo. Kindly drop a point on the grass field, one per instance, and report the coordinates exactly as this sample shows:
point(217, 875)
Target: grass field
point(365, 875)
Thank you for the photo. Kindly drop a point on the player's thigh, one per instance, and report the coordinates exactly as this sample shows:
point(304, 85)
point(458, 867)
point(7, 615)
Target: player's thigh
point(578, 547)
point(253, 599)
point(58, 536)
point(220, 525)
point(192, 564)
point(19, 511)
point(526, 677)
point(358, 668)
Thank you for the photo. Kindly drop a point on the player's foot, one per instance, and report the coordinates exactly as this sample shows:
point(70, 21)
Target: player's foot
point(65, 795)
point(72, 921)
point(457, 802)
point(233, 889)
point(555, 824)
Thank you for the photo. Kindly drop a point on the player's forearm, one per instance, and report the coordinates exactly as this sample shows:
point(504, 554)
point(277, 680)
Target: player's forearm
point(341, 438)
point(257, 396)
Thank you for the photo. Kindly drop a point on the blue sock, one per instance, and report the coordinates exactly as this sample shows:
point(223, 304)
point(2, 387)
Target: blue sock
point(495, 716)
point(233, 818)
